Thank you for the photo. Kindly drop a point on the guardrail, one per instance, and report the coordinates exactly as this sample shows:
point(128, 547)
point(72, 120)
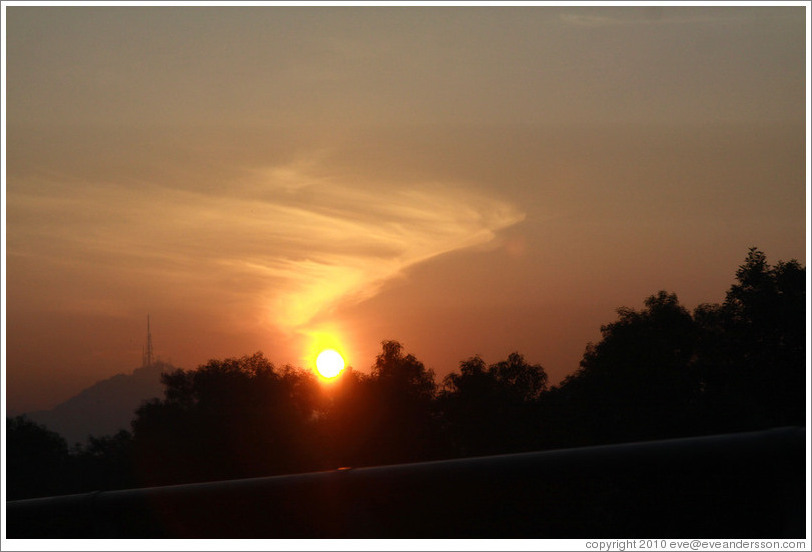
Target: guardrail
point(746, 485)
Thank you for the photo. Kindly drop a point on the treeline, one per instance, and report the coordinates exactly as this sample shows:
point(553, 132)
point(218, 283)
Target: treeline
point(659, 372)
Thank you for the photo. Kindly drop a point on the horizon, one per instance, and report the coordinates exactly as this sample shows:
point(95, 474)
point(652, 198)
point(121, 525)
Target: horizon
point(466, 181)
point(158, 361)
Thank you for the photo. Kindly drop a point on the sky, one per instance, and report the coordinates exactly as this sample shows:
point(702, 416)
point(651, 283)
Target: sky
point(465, 180)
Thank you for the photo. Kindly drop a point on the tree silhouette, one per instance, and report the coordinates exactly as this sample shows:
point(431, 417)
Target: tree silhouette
point(344, 428)
point(638, 381)
point(104, 463)
point(37, 461)
point(663, 372)
point(522, 381)
point(752, 354)
point(403, 374)
point(227, 419)
point(495, 409)
point(402, 425)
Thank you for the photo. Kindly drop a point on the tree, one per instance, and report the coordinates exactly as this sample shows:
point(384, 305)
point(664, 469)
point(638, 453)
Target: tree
point(381, 418)
point(662, 372)
point(346, 429)
point(525, 382)
point(37, 461)
point(752, 357)
point(494, 409)
point(403, 374)
point(638, 381)
point(401, 424)
point(105, 463)
point(237, 417)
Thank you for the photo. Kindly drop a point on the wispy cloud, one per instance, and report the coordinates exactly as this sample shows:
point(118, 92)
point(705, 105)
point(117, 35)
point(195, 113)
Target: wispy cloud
point(332, 241)
point(284, 238)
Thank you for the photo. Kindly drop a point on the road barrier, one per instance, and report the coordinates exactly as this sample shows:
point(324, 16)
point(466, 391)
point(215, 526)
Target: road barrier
point(745, 485)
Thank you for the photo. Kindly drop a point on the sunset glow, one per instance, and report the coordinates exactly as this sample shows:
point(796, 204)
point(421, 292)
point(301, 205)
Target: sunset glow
point(440, 247)
point(468, 181)
point(326, 351)
point(329, 363)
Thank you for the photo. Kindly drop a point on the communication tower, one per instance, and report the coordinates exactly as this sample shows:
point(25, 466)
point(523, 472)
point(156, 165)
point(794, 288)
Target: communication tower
point(147, 357)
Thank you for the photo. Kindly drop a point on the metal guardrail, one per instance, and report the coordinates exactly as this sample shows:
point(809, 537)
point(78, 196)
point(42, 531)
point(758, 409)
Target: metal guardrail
point(746, 485)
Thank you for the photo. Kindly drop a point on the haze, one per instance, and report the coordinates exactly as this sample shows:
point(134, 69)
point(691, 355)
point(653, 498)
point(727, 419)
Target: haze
point(465, 180)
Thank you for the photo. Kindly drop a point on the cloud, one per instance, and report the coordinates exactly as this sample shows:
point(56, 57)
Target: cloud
point(284, 241)
point(333, 242)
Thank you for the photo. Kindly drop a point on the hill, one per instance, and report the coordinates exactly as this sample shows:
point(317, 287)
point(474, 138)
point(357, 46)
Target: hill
point(105, 407)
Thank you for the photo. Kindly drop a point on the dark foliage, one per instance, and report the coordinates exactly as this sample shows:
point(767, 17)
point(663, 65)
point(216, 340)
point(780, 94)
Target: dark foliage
point(494, 409)
point(105, 463)
point(638, 382)
point(656, 373)
point(227, 419)
point(752, 354)
point(37, 461)
point(400, 394)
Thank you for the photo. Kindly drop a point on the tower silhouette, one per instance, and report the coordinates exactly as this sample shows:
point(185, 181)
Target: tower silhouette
point(147, 357)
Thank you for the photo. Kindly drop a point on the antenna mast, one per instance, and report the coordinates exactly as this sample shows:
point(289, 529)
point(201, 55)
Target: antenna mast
point(147, 353)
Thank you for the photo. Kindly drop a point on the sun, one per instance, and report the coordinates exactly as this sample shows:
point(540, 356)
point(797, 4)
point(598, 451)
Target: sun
point(329, 363)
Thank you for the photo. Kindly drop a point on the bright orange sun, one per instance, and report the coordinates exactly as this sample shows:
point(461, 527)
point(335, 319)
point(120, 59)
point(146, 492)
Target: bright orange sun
point(329, 363)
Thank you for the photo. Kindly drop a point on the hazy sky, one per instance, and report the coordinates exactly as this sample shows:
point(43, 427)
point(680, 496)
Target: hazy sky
point(466, 180)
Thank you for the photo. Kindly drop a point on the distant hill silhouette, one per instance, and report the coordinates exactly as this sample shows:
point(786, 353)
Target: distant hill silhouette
point(105, 407)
